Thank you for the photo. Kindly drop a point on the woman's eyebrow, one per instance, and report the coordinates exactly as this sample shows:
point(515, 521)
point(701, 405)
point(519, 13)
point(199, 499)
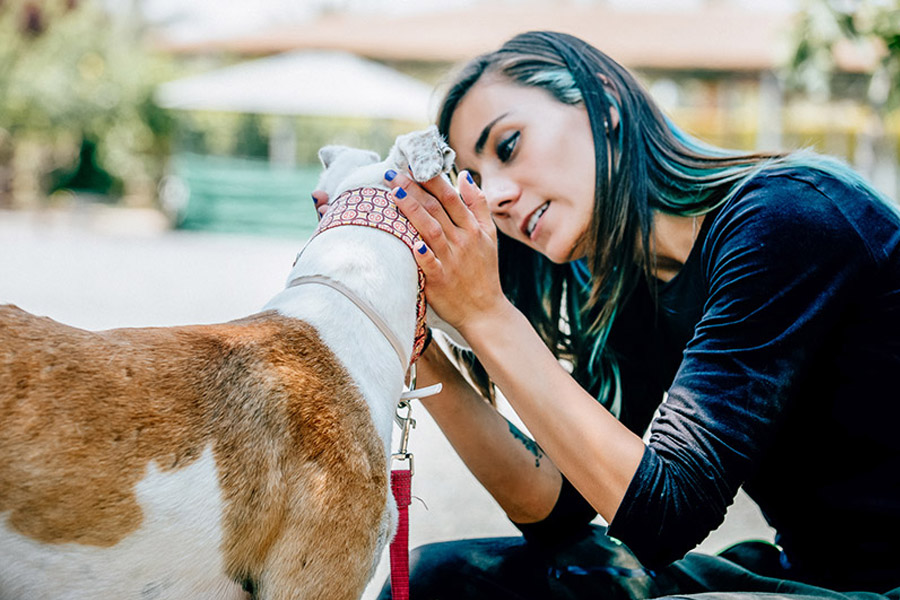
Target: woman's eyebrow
point(482, 139)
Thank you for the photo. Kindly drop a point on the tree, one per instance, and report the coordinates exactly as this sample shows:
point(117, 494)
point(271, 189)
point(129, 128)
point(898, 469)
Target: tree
point(870, 29)
point(867, 33)
point(74, 80)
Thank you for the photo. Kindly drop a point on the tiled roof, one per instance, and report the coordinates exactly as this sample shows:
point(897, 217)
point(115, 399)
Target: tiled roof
point(717, 37)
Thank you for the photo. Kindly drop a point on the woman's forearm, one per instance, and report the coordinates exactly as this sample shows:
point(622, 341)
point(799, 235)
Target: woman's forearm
point(513, 469)
point(595, 452)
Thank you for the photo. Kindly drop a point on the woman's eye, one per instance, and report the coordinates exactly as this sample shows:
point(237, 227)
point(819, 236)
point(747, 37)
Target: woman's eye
point(507, 145)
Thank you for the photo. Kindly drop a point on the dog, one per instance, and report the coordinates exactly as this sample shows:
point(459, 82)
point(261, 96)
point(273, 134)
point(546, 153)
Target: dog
point(240, 460)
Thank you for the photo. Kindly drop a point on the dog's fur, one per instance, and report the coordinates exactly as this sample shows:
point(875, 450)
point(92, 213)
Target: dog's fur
point(202, 461)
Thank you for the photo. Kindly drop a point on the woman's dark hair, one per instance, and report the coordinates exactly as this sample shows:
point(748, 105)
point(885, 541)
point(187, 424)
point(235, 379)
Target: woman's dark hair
point(644, 164)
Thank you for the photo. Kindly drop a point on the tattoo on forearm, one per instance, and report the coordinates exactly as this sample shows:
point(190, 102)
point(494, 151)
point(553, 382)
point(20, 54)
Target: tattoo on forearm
point(529, 443)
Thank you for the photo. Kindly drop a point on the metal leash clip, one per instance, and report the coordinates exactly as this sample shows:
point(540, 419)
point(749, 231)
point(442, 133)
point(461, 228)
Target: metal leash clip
point(406, 423)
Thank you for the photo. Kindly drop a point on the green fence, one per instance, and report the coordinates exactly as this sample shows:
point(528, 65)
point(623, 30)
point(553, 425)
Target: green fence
point(241, 195)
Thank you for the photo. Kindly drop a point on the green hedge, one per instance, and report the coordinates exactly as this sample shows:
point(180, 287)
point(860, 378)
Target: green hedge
point(244, 195)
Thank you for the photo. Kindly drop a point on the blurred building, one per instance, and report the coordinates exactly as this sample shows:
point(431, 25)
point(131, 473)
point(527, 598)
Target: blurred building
point(717, 67)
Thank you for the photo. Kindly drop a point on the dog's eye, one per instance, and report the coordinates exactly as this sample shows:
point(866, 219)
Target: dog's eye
point(507, 145)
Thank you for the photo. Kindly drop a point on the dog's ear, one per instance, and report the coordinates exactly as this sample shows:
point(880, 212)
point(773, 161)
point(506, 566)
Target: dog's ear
point(357, 156)
point(424, 152)
point(341, 162)
point(328, 154)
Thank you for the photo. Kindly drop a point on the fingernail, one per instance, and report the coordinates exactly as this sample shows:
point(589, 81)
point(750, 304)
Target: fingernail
point(390, 174)
point(422, 249)
point(315, 202)
point(400, 193)
point(469, 178)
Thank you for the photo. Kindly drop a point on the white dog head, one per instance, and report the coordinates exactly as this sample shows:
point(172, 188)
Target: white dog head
point(424, 153)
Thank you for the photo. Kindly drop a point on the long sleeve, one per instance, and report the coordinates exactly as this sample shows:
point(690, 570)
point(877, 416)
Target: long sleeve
point(781, 265)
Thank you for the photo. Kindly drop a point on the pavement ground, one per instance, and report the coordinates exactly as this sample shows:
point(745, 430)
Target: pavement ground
point(100, 268)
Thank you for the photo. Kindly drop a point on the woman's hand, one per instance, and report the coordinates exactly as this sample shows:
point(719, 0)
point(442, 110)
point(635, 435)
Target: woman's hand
point(459, 256)
point(320, 200)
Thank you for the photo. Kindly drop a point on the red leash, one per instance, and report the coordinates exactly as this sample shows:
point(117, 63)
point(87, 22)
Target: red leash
point(401, 486)
point(401, 483)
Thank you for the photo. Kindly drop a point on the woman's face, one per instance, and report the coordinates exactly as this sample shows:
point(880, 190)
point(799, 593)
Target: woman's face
point(534, 158)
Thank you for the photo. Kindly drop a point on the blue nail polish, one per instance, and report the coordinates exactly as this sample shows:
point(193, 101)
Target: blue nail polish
point(469, 178)
point(400, 193)
point(315, 202)
point(390, 174)
point(422, 249)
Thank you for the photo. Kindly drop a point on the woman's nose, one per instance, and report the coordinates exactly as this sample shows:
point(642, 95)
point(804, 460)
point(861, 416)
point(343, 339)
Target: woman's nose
point(500, 193)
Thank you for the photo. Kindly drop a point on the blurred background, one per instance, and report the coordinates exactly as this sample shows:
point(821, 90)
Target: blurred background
point(157, 156)
point(211, 112)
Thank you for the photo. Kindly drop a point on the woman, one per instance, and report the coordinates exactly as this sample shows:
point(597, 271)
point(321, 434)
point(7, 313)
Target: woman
point(761, 291)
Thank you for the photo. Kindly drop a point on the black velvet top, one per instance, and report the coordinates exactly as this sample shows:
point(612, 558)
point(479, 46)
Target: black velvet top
point(779, 345)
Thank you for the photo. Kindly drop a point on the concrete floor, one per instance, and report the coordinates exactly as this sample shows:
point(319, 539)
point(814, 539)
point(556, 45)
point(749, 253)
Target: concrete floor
point(100, 268)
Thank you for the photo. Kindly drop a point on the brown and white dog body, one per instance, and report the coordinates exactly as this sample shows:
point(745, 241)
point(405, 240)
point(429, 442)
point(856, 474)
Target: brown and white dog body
point(203, 461)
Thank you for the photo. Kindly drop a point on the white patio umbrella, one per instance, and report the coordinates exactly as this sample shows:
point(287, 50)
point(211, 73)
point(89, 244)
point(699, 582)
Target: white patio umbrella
point(323, 83)
point(303, 83)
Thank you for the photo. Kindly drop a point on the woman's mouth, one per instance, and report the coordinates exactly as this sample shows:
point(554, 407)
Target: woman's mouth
point(532, 221)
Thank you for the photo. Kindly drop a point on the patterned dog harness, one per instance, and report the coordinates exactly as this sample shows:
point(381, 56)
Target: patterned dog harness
point(373, 207)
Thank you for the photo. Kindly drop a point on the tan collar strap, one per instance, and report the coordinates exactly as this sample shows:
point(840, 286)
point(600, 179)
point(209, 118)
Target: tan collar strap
point(374, 207)
point(364, 306)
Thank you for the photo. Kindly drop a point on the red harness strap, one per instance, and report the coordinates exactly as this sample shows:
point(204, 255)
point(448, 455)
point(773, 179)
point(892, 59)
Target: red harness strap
point(401, 480)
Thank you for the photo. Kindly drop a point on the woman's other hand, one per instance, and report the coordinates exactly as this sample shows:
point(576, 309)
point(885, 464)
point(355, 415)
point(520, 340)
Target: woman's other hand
point(320, 200)
point(459, 254)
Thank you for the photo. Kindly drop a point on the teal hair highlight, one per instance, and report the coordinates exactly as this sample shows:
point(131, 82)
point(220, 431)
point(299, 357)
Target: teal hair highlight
point(694, 190)
point(558, 81)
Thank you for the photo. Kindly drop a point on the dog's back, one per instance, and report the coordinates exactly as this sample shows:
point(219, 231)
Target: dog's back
point(182, 462)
